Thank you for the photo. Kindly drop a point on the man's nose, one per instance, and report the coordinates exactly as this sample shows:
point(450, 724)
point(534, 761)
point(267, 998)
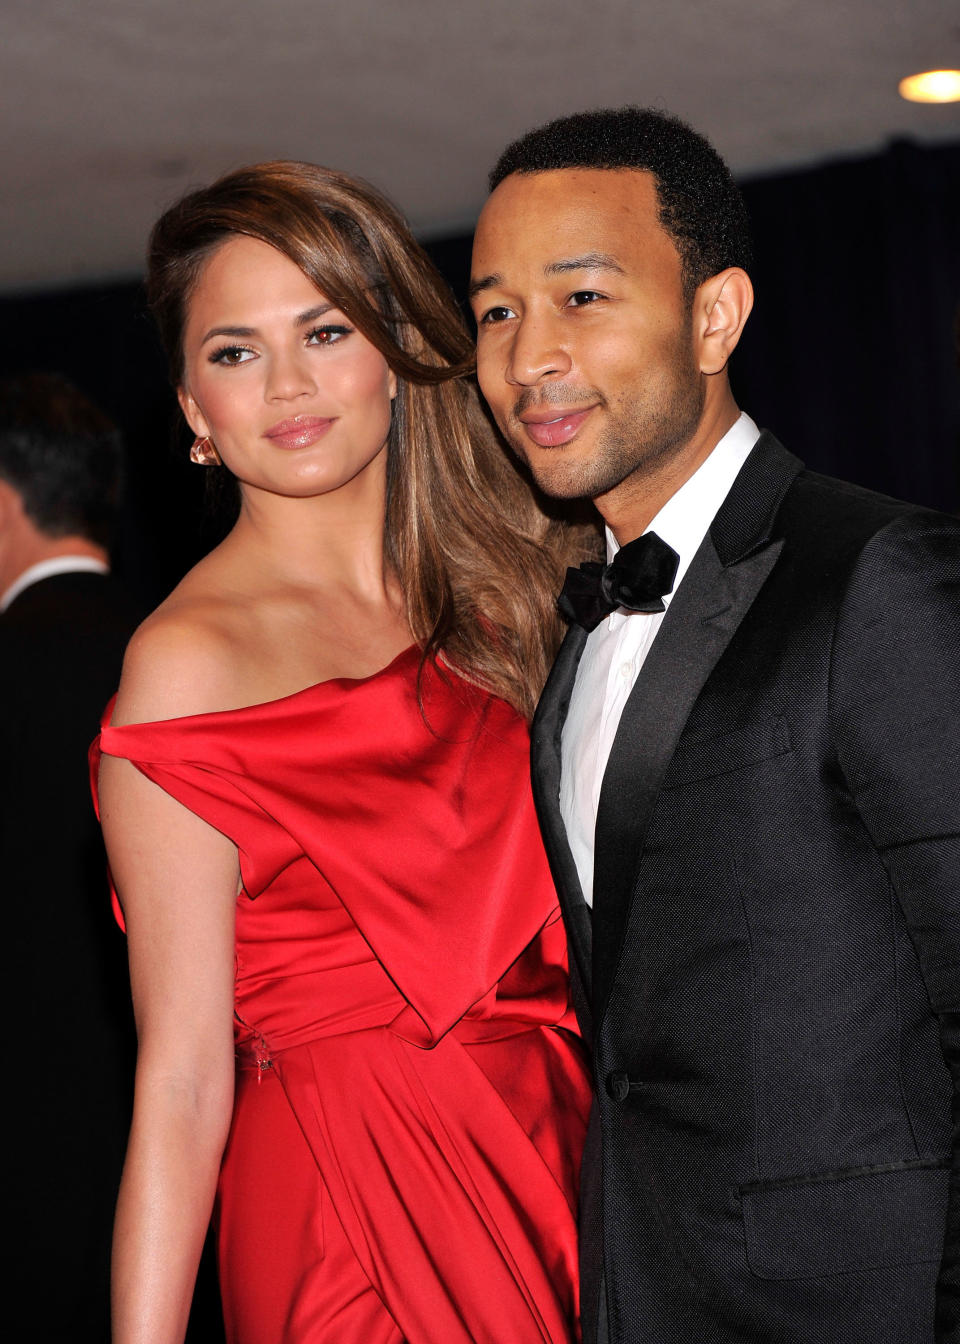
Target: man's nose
point(536, 352)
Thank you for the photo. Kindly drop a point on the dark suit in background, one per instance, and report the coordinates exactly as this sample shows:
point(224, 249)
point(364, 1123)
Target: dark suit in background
point(61, 646)
point(771, 975)
point(70, 1028)
point(64, 624)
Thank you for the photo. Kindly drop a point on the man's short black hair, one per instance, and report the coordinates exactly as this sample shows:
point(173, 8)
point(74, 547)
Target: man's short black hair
point(700, 204)
point(61, 455)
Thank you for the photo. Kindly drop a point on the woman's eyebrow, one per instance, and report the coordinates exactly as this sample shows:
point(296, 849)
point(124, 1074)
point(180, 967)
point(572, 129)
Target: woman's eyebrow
point(300, 320)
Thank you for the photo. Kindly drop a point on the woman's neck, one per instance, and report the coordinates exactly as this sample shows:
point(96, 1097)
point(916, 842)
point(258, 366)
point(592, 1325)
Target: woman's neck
point(323, 542)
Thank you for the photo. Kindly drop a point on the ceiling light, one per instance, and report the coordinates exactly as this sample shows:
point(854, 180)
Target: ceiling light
point(933, 86)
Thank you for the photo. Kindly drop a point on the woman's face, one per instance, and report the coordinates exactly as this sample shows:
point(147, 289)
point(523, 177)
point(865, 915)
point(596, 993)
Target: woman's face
point(295, 399)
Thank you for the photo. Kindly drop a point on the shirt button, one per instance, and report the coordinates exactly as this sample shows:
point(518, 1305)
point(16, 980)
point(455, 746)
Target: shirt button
point(618, 1085)
point(626, 670)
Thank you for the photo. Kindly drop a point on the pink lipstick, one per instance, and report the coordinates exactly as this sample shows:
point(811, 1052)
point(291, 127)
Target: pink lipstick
point(300, 431)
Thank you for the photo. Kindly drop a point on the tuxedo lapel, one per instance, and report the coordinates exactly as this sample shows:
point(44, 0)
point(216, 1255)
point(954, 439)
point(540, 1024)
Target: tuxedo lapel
point(545, 744)
point(725, 576)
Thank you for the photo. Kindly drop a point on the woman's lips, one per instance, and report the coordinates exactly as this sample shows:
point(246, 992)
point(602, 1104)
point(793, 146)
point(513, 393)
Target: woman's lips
point(557, 431)
point(299, 432)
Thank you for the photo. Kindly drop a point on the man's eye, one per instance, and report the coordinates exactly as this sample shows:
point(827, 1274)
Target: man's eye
point(498, 314)
point(582, 297)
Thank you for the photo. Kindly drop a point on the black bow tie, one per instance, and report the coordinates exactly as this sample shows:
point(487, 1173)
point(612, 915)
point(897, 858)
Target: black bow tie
point(636, 579)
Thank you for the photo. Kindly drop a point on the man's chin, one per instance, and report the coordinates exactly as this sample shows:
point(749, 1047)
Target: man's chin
point(556, 476)
point(565, 481)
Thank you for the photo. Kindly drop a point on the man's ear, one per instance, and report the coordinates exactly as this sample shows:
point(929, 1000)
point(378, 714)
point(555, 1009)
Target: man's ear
point(192, 413)
point(10, 505)
point(721, 307)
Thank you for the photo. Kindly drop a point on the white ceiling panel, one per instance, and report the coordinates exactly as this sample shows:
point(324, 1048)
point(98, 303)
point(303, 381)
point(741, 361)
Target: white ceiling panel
point(112, 108)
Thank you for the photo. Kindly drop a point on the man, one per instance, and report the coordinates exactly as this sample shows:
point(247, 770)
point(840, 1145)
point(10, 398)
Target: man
point(63, 626)
point(747, 762)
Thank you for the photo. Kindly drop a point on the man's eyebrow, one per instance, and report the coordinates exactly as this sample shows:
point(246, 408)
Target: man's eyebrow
point(482, 283)
point(590, 261)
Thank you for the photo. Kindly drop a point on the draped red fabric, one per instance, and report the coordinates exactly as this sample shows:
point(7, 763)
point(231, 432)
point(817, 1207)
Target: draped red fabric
point(401, 972)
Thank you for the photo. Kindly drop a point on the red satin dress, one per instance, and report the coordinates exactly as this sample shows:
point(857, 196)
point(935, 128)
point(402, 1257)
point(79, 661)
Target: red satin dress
point(411, 1095)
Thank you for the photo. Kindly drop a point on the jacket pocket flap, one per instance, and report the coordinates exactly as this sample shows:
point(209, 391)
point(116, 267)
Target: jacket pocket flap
point(707, 757)
point(864, 1218)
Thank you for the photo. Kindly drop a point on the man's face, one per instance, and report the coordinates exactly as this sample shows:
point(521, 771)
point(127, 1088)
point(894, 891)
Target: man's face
point(585, 341)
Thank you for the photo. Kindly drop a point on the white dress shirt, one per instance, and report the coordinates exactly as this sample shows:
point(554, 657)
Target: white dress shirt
point(45, 569)
point(614, 652)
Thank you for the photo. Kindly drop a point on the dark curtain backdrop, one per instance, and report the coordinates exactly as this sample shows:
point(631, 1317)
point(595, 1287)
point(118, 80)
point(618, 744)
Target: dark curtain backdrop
point(850, 356)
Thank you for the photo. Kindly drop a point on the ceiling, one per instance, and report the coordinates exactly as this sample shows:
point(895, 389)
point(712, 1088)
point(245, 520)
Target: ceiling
point(112, 108)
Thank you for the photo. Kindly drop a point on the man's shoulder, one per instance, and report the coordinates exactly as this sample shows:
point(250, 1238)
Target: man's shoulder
point(855, 499)
point(844, 537)
point(72, 595)
point(75, 620)
point(827, 507)
point(824, 519)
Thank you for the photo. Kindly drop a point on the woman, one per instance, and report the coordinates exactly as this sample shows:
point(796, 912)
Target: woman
point(314, 793)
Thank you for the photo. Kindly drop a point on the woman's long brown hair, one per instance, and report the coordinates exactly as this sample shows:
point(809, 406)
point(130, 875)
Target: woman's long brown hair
point(478, 561)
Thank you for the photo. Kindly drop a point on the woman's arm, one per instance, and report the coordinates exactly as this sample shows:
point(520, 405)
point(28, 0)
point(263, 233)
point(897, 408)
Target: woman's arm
point(177, 879)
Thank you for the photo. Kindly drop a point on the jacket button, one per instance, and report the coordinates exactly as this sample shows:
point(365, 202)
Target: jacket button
point(618, 1085)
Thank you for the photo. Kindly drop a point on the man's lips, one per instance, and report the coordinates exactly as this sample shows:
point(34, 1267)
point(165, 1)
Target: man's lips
point(298, 432)
point(548, 429)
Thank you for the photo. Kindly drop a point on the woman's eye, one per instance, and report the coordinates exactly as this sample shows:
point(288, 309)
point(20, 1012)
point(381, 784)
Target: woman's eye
point(582, 297)
point(328, 335)
point(232, 355)
point(498, 314)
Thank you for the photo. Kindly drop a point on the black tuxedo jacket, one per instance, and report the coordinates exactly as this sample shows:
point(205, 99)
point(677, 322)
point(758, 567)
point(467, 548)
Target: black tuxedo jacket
point(770, 977)
point(61, 646)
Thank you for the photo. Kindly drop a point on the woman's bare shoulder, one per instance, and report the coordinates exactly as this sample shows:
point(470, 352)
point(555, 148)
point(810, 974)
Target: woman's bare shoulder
point(182, 660)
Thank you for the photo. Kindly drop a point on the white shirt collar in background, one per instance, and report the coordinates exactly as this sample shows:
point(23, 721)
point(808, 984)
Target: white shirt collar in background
point(46, 569)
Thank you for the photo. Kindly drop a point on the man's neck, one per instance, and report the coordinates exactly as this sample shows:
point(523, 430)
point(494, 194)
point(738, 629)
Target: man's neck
point(629, 509)
point(35, 549)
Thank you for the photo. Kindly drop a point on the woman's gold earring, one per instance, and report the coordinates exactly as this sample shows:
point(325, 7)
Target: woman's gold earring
point(203, 452)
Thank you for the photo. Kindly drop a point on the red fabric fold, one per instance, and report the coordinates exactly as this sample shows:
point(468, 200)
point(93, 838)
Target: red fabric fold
point(401, 967)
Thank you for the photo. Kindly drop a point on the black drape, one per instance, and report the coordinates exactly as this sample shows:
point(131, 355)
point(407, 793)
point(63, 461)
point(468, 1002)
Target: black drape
point(850, 355)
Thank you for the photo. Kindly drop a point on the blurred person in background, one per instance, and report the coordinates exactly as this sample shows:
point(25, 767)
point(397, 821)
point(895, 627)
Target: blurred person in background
point(64, 622)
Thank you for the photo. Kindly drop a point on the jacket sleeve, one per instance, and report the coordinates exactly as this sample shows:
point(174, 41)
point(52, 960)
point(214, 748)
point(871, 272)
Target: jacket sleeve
point(895, 707)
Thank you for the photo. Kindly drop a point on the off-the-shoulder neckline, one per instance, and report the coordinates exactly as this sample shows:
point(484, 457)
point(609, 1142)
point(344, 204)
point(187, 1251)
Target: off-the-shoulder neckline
point(401, 657)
